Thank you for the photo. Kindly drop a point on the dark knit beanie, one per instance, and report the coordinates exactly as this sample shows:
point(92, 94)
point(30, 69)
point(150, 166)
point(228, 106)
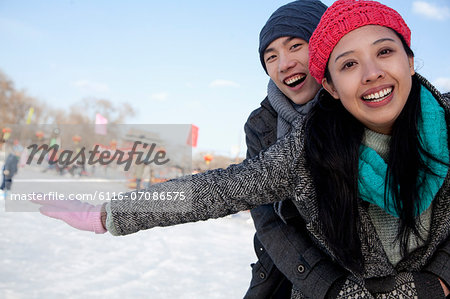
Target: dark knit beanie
point(297, 19)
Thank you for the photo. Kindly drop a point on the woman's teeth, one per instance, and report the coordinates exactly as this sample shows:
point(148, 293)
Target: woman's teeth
point(378, 96)
point(294, 80)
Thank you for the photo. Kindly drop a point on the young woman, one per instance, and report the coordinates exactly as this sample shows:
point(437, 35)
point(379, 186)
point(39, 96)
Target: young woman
point(367, 169)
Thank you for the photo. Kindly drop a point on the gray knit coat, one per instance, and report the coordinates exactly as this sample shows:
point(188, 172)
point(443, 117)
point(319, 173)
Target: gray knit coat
point(279, 172)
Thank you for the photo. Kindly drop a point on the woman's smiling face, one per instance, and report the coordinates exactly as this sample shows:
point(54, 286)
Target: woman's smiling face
point(371, 75)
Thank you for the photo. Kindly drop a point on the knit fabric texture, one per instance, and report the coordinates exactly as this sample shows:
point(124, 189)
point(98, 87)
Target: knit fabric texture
point(433, 136)
point(295, 19)
point(286, 109)
point(341, 18)
point(378, 142)
point(382, 221)
point(385, 226)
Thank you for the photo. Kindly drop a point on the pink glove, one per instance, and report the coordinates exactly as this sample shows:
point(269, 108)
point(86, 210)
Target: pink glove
point(80, 215)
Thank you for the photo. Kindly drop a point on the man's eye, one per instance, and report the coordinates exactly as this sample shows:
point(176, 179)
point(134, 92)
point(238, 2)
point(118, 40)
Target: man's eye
point(296, 46)
point(270, 58)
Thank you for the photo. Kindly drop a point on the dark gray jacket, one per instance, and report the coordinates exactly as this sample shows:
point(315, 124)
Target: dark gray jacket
point(308, 268)
point(279, 172)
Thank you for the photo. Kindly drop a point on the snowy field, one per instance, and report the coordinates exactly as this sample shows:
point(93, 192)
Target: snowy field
point(42, 257)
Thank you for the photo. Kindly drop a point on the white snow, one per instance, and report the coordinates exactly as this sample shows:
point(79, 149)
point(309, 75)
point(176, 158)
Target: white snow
point(41, 257)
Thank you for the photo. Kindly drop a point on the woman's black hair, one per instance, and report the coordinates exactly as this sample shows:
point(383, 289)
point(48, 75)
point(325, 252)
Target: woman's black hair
point(333, 138)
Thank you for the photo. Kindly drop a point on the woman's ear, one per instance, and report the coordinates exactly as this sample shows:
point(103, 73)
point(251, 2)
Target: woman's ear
point(411, 65)
point(330, 88)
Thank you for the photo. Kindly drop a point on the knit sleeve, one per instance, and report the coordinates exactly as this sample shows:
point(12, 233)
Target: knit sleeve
point(212, 194)
point(440, 263)
point(109, 221)
point(447, 95)
point(349, 287)
point(406, 285)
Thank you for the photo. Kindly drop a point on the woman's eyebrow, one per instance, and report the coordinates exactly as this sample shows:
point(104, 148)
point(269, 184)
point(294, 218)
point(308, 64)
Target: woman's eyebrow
point(383, 40)
point(374, 43)
point(343, 54)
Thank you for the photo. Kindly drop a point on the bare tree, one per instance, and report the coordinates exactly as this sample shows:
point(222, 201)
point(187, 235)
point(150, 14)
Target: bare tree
point(115, 114)
point(16, 104)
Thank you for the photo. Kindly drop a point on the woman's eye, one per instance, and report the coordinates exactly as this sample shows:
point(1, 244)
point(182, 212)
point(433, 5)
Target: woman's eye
point(385, 51)
point(348, 65)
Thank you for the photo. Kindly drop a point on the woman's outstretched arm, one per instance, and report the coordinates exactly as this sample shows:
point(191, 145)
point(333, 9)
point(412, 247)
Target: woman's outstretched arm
point(213, 194)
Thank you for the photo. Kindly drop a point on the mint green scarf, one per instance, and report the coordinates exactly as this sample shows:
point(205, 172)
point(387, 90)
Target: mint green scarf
point(433, 134)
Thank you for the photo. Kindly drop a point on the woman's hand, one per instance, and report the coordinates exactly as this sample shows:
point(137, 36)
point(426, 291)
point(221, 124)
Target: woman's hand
point(80, 215)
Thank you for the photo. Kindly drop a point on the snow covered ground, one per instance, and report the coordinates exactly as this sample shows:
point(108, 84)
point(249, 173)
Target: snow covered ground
point(42, 257)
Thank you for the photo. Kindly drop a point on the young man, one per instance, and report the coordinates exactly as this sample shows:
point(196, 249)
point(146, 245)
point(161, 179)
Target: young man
point(281, 244)
point(288, 260)
point(10, 169)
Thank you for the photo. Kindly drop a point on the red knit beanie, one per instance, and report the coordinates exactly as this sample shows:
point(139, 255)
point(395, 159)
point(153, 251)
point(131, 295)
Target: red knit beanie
point(341, 18)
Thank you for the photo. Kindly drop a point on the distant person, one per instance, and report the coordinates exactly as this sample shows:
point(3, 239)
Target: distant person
point(10, 169)
point(139, 174)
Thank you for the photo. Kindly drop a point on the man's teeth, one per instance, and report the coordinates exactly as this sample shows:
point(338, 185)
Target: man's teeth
point(294, 79)
point(378, 96)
